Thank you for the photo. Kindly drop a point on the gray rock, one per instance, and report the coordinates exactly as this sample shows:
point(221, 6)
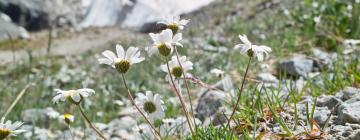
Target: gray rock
point(350, 92)
point(209, 103)
point(40, 14)
point(340, 131)
point(324, 60)
point(122, 123)
point(141, 13)
point(349, 112)
point(9, 28)
point(267, 78)
point(328, 101)
point(355, 135)
point(34, 115)
point(296, 66)
point(321, 115)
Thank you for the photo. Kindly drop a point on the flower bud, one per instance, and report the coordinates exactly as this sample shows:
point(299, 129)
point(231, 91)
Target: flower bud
point(68, 119)
point(177, 71)
point(163, 49)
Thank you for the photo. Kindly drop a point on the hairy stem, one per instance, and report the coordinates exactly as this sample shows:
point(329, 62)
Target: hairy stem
point(89, 122)
point(137, 107)
point(180, 98)
point(239, 96)
point(186, 85)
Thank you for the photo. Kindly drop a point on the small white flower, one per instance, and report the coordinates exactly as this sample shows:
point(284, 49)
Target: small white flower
point(217, 72)
point(168, 128)
point(75, 96)
point(67, 118)
point(175, 68)
point(9, 129)
point(178, 126)
point(315, 4)
point(123, 60)
point(164, 42)
point(151, 104)
point(252, 50)
point(317, 19)
point(174, 23)
point(351, 42)
point(143, 131)
point(119, 102)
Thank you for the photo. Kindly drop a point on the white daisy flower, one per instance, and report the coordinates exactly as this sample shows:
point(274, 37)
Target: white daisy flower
point(123, 60)
point(168, 127)
point(151, 104)
point(67, 118)
point(9, 129)
point(143, 131)
point(317, 19)
point(176, 126)
point(164, 42)
point(351, 42)
point(74, 96)
point(174, 23)
point(252, 50)
point(175, 68)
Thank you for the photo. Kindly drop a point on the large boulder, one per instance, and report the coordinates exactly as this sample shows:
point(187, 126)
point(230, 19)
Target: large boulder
point(7, 28)
point(138, 13)
point(349, 112)
point(40, 14)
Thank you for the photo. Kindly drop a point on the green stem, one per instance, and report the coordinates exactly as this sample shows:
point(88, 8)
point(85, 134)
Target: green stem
point(180, 98)
point(239, 97)
point(186, 84)
point(89, 122)
point(137, 107)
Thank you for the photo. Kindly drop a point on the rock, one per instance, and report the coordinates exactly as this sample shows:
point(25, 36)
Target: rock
point(321, 115)
point(350, 92)
point(15, 31)
point(349, 112)
point(324, 60)
point(267, 78)
point(209, 103)
point(225, 84)
point(43, 115)
point(122, 123)
point(355, 135)
point(328, 101)
point(340, 131)
point(296, 66)
point(138, 14)
point(40, 14)
point(36, 133)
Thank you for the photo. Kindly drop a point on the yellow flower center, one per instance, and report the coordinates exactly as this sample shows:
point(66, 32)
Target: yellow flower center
point(4, 133)
point(173, 27)
point(149, 107)
point(122, 66)
point(177, 71)
point(163, 49)
point(67, 118)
